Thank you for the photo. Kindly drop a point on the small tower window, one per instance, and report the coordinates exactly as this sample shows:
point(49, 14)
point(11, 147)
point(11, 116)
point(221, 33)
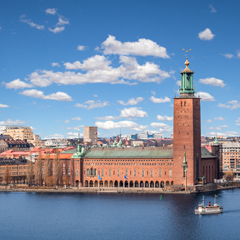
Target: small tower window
point(184, 103)
point(181, 104)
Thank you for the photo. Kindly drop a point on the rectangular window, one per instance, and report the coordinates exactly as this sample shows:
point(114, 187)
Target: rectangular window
point(160, 173)
point(142, 173)
point(126, 173)
point(151, 173)
point(118, 172)
point(102, 173)
point(77, 173)
point(87, 172)
point(170, 173)
point(134, 173)
point(69, 174)
point(110, 173)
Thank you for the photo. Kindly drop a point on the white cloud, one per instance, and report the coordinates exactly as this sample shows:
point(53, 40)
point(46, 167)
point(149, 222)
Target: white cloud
point(81, 48)
point(99, 71)
point(90, 104)
point(224, 126)
point(213, 82)
point(178, 83)
point(76, 119)
point(17, 83)
point(238, 54)
point(172, 72)
point(96, 62)
point(54, 136)
point(216, 128)
point(122, 124)
point(55, 64)
point(3, 106)
point(108, 118)
point(95, 95)
point(233, 104)
point(164, 118)
point(219, 118)
point(31, 23)
point(159, 100)
point(12, 122)
point(226, 134)
point(228, 55)
point(51, 11)
point(56, 29)
point(206, 34)
point(125, 82)
point(62, 21)
point(59, 96)
point(73, 135)
point(131, 101)
point(206, 97)
point(212, 9)
point(67, 121)
point(133, 112)
point(163, 127)
point(143, 47)
point(153, 93)
point(209, 121)
point(238, 120)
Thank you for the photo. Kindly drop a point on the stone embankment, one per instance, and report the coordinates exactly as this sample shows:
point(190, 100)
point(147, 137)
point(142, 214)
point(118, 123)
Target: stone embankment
point(167, 189)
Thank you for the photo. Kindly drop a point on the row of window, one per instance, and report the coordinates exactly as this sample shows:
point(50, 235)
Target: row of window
point(124, 160)
point(93, 172)
point(128, 164)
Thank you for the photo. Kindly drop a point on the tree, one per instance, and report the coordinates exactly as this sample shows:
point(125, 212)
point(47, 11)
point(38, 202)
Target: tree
point(46, 167)
point(30, 171)
point(7, 178)
point(228, 176)
point(38, 168)
point(57, 168)
point(65, 180)
point(51, 181)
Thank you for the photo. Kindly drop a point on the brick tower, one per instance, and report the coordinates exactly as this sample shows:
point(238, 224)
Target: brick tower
point(187, 131)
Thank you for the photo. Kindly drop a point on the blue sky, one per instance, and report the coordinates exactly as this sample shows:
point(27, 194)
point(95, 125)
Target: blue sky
point(115, 64)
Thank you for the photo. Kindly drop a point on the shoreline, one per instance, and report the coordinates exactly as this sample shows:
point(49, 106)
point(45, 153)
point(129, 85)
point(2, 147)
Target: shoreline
point(102, 190)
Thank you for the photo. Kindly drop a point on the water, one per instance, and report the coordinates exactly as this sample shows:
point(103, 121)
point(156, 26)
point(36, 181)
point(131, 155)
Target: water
point(111, 216)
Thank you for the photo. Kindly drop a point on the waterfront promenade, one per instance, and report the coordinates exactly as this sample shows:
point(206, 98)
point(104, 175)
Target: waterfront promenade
point(201, 188)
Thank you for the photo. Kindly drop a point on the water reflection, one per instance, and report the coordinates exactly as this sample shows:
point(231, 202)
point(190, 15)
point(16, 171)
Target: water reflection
point(116, 216)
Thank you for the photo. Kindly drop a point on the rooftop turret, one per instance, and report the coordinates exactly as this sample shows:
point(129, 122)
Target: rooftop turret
point(187, 80)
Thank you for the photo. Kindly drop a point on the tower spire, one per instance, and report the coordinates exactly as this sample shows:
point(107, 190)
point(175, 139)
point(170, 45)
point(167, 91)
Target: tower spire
point(187, 80)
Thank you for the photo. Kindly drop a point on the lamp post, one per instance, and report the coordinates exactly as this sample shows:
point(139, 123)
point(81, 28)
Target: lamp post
point(184, 165)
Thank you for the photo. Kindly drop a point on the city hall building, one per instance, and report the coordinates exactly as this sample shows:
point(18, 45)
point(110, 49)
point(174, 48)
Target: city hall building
point(150, 167)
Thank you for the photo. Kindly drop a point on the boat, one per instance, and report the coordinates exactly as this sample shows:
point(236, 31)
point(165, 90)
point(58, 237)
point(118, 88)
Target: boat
point(210, 209)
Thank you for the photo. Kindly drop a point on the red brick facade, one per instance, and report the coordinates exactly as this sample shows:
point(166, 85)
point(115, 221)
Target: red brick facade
point(187, 138)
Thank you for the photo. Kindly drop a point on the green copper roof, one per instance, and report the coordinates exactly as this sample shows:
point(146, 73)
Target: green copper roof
point(206, 154)
point(138, 152)
point(187, 80)
point(216, 140)
point(133, 152)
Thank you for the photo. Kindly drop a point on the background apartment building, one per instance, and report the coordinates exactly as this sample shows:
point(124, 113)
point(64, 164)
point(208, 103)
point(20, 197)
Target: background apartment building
point(230, 157)
point(90, 135)
point(19, 133)
point(56, 143)
point(23, 133)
